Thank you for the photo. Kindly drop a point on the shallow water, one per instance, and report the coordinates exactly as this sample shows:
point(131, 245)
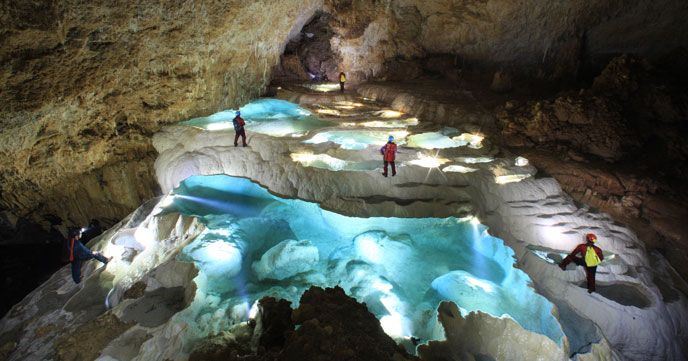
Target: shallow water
point(274, 117)
point(258, 244)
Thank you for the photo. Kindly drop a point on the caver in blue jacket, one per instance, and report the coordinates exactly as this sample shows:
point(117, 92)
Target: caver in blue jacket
point(79, 253)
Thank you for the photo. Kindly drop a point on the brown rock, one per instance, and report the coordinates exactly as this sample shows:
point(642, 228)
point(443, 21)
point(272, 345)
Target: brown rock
point(135, 291)
point(86, 342)
point(331, 327)
point(273, 322)
point(349, 331)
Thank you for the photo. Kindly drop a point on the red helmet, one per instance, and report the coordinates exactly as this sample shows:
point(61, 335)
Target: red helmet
point(590, 237)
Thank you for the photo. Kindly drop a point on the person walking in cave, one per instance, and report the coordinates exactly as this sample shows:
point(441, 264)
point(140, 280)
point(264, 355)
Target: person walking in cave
point(389, 153)
point(79, 253)
point(239, 123)
point(342, 80)
point(591, 257)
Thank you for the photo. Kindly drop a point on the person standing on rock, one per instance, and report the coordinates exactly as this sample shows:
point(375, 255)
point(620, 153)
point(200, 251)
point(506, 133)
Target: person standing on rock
point(389, 153)
point(342, 80)
point(591, 256)
point(79, 253)
point(239, 123)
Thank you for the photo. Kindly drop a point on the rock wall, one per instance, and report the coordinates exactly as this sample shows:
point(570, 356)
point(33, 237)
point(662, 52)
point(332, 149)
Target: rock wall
point(546, 39)
point(84, 86)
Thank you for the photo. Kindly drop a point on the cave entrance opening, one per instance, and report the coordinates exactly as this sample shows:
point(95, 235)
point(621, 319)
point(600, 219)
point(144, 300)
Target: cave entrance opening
point(309, 55)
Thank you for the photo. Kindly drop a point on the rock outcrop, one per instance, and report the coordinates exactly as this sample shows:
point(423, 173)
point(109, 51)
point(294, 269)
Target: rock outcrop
point(631, 118)
point(478, 335)
point(84, 88)
point(327, 325)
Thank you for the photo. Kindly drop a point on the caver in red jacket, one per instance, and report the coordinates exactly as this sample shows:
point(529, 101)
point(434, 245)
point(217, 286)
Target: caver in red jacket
point(389, 153)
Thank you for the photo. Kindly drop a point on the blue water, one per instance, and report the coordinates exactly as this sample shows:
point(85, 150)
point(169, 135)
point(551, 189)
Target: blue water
point(355, 139)
point(273, 117)
point(258, 244)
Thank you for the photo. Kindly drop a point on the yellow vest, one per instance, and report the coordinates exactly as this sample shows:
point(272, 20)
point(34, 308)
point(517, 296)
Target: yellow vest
point(342, 78)
point(591, 257)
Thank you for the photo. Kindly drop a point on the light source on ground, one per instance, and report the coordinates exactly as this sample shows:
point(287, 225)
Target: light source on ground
point(389, 113)
point(521, 162)
point(458, 169)
point(308, 159)
point(324, 87)
point(219, 126)
point(305, 157)
point(144, 236)
point(510, 178)
point(474, 160)
point(428, 161)
point(357, 139)
point(328, 111)
point(114, 250)
point(391, 123)
point(348, 103)
point(472, 140)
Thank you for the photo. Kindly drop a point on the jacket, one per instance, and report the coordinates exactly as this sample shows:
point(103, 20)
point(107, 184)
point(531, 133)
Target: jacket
point(389, 152)
point(583, 247)
point(238, 123)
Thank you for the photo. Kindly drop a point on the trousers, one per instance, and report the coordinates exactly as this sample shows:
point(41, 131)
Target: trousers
point(394, 168)
point(76, 265)
point(590, 272)
point(241, 132)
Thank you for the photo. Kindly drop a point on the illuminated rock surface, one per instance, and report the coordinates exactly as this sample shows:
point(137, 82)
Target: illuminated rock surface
point(86, 86)
point(192, 263)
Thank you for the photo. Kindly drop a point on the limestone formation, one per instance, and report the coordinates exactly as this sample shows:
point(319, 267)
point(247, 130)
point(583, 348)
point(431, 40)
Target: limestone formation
point(547, 133)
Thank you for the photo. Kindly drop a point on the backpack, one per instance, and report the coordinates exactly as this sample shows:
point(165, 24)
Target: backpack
point(238, 123)
point(591, 257)
point(389, 151)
